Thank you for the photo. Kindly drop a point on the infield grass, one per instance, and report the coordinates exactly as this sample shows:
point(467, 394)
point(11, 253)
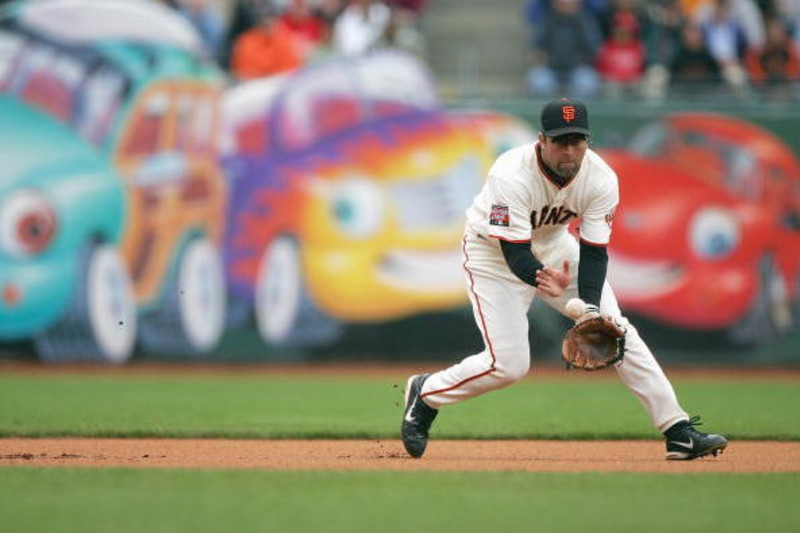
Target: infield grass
point(260, 405)
point(122, 500)
point(264, 406)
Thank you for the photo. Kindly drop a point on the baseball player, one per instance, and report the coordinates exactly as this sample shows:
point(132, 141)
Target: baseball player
point(517, 246)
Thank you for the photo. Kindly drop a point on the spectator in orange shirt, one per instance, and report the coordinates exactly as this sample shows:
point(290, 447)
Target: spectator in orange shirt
point(690, 8)
point(775, 67)
point(267, 49)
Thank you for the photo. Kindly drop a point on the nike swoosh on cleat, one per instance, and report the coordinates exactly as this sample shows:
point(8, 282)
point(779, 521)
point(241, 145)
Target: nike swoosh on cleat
point(408, 417)
point(688, 444)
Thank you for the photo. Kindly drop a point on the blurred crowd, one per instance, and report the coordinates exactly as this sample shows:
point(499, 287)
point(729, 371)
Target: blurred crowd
point(651, 48)
point(257, 38)
point(613, 49)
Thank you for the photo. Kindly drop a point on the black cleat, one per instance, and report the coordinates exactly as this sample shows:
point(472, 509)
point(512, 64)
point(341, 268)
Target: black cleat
point(417, 418)
point(685, 443)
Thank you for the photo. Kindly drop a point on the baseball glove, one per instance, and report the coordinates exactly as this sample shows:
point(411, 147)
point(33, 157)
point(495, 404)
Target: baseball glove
point(593, 344)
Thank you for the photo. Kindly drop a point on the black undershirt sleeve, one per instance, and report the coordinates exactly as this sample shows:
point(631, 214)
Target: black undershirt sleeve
point(592, 273)
point(521, 260)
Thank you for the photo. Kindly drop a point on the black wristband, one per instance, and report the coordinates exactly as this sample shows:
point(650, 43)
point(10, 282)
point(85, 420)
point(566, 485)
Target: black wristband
point(592, 273)
point(521, 261)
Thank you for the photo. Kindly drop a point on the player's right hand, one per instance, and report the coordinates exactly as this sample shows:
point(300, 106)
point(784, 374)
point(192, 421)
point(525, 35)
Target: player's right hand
point(553, 282)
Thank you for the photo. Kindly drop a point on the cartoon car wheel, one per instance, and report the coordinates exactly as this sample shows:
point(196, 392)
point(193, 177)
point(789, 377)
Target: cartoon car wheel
point(285, 313)
point(100, 324)
point(771, 312)
point(191, 316)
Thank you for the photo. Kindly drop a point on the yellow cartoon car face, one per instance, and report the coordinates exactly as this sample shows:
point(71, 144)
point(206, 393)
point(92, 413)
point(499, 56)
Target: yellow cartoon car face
point(348, 187)
point(387, 244)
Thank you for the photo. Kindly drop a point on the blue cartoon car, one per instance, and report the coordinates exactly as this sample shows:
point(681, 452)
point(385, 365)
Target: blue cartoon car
point(111, 197)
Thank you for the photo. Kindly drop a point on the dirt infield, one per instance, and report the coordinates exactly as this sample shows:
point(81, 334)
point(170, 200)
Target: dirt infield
point(370, 370)
point(528, 456)
point(442, 455)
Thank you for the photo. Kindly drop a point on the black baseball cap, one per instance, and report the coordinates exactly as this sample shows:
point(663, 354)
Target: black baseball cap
point(564, 116)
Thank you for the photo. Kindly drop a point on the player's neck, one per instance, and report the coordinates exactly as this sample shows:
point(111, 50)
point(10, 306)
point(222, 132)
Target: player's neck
point(549, 173)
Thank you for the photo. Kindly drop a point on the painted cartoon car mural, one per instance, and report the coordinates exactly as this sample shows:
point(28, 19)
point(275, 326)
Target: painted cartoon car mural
point(707, 236)
point(111, 197)
point(348, 187)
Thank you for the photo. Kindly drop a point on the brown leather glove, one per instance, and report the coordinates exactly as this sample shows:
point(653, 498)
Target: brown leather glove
point(593, 344)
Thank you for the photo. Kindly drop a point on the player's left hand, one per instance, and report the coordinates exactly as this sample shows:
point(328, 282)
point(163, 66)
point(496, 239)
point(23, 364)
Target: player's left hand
point(594, 343)
point(553, 282)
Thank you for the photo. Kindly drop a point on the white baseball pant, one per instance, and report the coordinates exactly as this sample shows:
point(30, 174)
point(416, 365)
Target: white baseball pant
point(500, 303)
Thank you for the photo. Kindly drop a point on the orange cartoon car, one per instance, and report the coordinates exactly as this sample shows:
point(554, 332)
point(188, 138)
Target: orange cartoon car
point(112, 202)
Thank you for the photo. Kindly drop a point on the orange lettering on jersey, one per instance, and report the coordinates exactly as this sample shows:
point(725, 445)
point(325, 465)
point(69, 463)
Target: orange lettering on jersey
point(555, 216)
point(566, 216)
point(552, 216)
point(543, 216)
point(568, 112)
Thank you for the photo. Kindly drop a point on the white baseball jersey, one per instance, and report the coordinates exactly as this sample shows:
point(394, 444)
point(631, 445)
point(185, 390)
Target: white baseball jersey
point(519, 202)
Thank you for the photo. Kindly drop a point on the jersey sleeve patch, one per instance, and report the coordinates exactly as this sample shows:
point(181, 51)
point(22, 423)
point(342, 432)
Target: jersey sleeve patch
point(610, 217)
point(499, 216)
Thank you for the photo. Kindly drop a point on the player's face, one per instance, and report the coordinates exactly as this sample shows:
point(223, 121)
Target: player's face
point(564, 154)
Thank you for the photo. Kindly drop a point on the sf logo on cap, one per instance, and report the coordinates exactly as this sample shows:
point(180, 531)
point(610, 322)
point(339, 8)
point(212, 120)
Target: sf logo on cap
point(568, 112)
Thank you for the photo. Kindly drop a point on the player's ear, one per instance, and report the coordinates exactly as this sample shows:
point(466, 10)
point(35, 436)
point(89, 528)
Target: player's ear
point(541, 137)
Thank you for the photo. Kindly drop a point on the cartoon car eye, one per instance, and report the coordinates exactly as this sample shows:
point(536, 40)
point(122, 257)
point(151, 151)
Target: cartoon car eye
point(358, 207)
point(27, 223)
point(714, 233)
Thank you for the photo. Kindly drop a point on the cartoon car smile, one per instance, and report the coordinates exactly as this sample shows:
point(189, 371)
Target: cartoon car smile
point(348, 189)
point(703, 238)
